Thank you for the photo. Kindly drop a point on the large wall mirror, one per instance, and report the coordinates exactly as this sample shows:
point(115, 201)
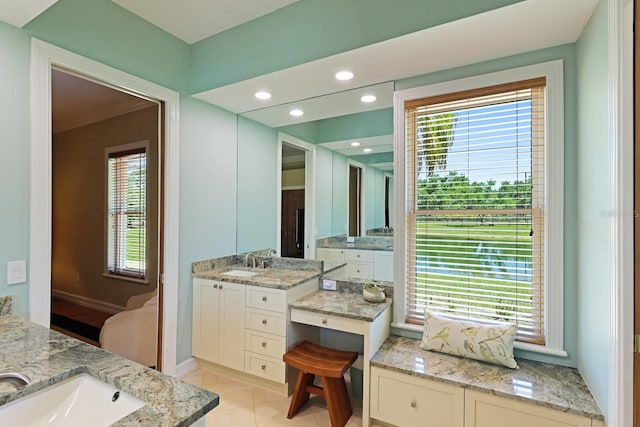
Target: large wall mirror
point(351, 134)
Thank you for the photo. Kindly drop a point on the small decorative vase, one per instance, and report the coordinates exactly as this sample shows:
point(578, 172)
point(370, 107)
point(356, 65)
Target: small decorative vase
point(372, 293)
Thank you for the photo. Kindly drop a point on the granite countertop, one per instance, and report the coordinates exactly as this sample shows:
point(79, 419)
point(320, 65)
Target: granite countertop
point(363, 246)
point(553, 386)
point(365, 243)
point(342, 304)
point(277, 278)
point(48, 357)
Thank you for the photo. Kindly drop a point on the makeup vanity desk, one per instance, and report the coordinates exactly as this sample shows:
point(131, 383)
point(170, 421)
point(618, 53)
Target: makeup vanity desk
point(348, 312)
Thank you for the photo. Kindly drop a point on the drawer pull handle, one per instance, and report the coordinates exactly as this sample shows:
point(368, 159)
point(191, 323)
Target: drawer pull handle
point(413, 404)
point(263, 367)
point(220, 286)
point(264, 344)
point(264, 321)
point(324, 321)
point(264, 299)
point(215, 286)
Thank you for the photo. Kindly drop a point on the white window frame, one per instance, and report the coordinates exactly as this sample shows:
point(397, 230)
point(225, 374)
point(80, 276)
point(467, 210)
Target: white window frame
point(107, 152)
point(553, 200)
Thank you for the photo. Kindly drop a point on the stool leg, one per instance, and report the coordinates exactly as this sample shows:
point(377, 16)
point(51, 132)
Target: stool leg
point(337, 398)
point(300, 393)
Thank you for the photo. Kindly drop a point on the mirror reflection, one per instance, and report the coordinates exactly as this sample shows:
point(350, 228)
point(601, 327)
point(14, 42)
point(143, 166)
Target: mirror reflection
point(351, 133)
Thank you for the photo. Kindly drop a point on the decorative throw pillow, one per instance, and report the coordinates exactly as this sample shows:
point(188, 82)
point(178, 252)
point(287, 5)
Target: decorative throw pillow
point(489, 343)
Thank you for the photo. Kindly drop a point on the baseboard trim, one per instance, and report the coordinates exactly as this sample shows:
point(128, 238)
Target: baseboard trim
point(87, 302)
point(185, 368)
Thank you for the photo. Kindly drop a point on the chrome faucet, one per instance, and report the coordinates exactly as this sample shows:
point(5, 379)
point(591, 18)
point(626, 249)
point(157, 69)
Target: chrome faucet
point(17, 380)
point(251, 256)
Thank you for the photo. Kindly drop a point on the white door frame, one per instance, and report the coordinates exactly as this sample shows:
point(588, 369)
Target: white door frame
point(363, 201)
point(621, 247)
point(310, 232)
point(43, 57)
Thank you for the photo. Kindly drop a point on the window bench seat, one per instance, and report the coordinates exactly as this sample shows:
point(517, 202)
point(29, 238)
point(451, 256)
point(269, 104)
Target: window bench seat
point(409, 383)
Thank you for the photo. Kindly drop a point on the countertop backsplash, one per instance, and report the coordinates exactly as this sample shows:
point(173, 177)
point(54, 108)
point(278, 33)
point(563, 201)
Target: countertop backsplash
point(6, 305)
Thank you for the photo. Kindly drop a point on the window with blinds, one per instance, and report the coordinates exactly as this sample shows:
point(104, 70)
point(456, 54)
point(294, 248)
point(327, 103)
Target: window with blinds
point(475, 199)
point(127, 212)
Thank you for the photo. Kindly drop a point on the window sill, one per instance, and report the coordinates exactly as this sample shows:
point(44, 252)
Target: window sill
point(126, 278)
point(517, 345)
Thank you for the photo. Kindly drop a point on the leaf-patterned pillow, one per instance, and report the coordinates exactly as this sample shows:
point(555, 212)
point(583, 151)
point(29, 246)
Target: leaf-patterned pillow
point(489, 343)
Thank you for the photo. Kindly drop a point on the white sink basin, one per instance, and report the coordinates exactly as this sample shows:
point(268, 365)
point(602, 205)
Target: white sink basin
point(77, 401)
point(240, 273)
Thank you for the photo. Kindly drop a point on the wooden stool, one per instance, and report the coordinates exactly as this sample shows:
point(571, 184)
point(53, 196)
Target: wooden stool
point(330, 365)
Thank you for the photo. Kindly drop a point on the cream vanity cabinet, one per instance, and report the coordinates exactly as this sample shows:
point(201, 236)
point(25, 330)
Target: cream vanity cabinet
point(361, 264)
point(218, 322)
point(269, 332)
point(330, 255)
point(265, 333)
point(407, 400)
point(486, 410)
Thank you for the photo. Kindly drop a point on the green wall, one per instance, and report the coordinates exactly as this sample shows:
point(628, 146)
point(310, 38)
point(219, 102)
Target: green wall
point(14, 160)
point(359, 125)
point(104, 31)
point(257, 189)
point(324, 193)
point(298, 33)
point(208, 198)
point(339, 218)
point(593, 217)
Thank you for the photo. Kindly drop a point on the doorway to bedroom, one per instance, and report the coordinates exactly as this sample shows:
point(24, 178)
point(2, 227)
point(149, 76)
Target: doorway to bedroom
point(105, 219)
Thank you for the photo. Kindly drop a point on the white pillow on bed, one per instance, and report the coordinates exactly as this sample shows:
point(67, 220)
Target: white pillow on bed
point(488, 343)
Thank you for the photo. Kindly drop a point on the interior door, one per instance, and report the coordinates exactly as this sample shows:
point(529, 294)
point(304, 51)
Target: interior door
point(292, 224)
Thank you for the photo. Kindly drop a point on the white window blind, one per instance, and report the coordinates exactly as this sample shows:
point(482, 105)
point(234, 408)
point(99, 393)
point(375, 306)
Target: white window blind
point(475, 199)
point(127, 213)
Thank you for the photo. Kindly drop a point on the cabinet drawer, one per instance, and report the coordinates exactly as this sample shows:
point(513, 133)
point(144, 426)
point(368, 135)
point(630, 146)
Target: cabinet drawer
point(265, 367)
point(265, 344)
point(485, 410)
point(331, 255)
point(358, 256)
point(266, 299)
point(359, 270)
point(409, 401)
point(327, 321)
point(266, 321)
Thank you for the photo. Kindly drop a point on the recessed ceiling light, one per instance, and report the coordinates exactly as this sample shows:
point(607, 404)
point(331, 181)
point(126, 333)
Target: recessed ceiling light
point(296, 112)
point(262, 95)
point(344, 75)
point(368, 98)
point(355, 144)
point(367, 150)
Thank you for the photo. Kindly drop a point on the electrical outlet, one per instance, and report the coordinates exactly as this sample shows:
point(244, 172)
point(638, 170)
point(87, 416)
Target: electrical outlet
point(328, 285)
point(16, 272)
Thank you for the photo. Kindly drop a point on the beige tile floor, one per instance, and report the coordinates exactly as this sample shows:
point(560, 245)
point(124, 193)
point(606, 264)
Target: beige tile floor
point(248, 405)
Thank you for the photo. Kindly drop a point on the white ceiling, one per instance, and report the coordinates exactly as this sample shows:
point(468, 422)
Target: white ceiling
point(194, 20)
point(19, 12)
